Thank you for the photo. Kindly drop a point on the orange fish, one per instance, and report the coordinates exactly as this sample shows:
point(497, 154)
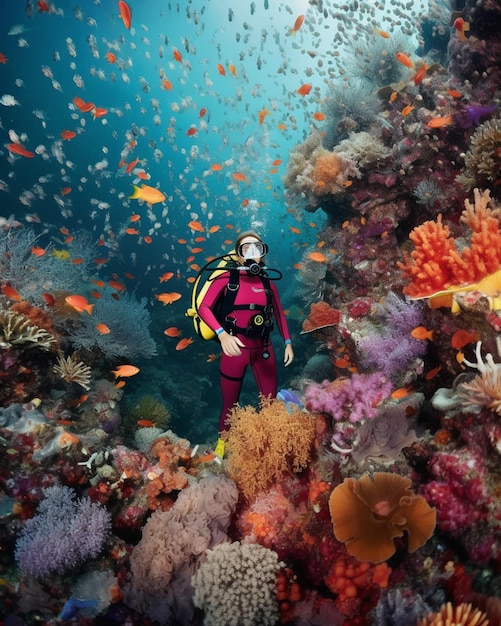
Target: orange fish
point(241, 177)
point(404, 59)
point(439, 122)
point(135, 218)
point(130, 166)
point(111, 58)
point(462, 337)
point(304, 90)
point(103, 329)
point(11, 293)
point(132, 231)
point(177, 55)
point(213, 229)
point(319, 116)
point(79, 303)
point(211, 358)
point(297, 25)
point(99, 112)
point(68, 134)
point(84, 107)
point(167, 276)
point(216, 167)
point(143, 175)
point(124, 371)
point(406, 110)
point(98, 283)
point(401, 392)
point(168, 298)
point(17, 148)
point(166, 84)
point(232, 69)
point(197, 250)
point(77, 261)
point(119, 384)
point(422, 333)
point(147, 239)
point(172, 331)
point(146, 423)
point(382, 33)
point(184, 343)
point(37, 251)
point(195, 225)
point(461, 27)
point(295, 230)
point(432, 373)
point(318, 257)
point(125, 13)
point(221, 69)
point(454, 93)
point(420, 74)
point(262, 115)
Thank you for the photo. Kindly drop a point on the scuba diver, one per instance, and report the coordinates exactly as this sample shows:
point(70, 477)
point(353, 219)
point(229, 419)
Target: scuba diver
point(250, 305)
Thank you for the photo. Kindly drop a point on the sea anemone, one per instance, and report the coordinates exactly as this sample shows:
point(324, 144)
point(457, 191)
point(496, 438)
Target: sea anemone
point(482, 161)
point(369, 513)
point(461, 615)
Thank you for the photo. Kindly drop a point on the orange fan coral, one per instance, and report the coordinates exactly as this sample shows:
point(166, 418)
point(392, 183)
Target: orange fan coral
point(266, 443)
point(368, 514)
point(461, 615)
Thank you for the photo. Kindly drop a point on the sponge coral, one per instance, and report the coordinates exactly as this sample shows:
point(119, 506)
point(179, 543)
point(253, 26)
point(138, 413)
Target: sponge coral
point(368, 514)
point(236, 585)
point(266, 443)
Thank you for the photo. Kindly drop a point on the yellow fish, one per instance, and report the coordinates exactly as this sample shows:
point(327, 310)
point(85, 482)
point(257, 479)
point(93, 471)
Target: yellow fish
point(151, 195)
point(62, 254)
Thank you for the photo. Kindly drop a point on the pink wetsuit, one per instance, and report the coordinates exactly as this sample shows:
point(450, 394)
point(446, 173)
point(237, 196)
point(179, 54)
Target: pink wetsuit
point(232, 368)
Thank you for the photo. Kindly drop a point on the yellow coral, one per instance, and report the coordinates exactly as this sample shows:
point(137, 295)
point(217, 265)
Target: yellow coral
point(265, 443)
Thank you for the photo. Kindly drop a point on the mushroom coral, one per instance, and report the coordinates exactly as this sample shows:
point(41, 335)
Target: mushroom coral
point(367, 514)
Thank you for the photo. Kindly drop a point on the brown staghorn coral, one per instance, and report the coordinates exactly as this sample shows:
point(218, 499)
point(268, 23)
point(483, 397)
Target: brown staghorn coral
point(461, 615)
point(17, 329)
point(265, 443)
point(369, 513)
point(483, 160)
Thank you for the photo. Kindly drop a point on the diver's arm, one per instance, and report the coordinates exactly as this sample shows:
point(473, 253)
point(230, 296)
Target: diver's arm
point(283, 327)
point(216, 288)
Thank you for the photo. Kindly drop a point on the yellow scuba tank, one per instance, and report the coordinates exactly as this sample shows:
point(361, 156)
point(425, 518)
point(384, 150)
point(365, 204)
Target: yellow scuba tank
point(200, 288)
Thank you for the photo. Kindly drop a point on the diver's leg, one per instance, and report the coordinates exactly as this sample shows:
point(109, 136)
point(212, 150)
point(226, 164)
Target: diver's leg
point(232, 372)
point(265, 370)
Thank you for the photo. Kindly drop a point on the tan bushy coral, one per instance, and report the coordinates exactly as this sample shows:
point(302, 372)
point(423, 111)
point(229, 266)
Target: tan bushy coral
point(17, 329)
point(263, 444)
point(71, 370)
point(482, 161)
point(369, 513)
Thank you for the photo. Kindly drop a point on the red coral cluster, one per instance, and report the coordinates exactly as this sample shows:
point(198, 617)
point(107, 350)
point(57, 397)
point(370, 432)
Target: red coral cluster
point(321, 315)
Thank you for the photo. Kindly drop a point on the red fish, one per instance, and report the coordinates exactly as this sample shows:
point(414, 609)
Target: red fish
point(68, 134)
point(297, 25)
point(17, 148)
point(184, 343)
point(11, 293)
point(172, 331)
point(125, 13)
point(462, 337)
point(304, 90)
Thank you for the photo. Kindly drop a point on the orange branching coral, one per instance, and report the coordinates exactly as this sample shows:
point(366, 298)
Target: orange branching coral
point(265, 443)
point(368, 514)
point(321, 315)
point(436, 264)
point(461, 615)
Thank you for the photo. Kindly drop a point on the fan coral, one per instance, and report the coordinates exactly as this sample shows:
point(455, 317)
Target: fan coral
point(461, 615)
point(266, 443)
point(63, 534)
point(321, 315)
point(17, 329)
point(73, 371)
point(236, 585)
point(367, 514)
point(128, 320)
point(353, 399)
point(436, 264)
point(482, 162)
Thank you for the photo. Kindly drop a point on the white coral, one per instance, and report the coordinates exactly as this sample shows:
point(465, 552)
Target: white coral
point(16, 329)
point(235, 586)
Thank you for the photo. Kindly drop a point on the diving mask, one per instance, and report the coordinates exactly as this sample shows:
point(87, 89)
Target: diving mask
point(252, 250)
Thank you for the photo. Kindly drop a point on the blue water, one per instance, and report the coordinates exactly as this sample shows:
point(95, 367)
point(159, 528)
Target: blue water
point(55, 56)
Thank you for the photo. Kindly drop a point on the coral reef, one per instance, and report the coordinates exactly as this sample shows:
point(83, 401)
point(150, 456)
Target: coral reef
point(18, 330)
point(265, 443)
point(461, 615)
point(236, 585)
point(369, 513)
point(64, 533)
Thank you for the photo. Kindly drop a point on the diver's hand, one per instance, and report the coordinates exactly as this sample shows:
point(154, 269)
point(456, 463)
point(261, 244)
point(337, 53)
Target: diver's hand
point(230, 344)
point(289, 355)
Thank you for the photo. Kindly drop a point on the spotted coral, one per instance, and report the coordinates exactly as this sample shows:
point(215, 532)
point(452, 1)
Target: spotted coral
point(482, 162)
point(461, 615)
point(265, 443)
point(369, 513)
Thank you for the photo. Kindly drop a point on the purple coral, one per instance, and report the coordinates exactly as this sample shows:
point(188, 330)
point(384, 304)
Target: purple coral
point(64, 533)
point(352, 399)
